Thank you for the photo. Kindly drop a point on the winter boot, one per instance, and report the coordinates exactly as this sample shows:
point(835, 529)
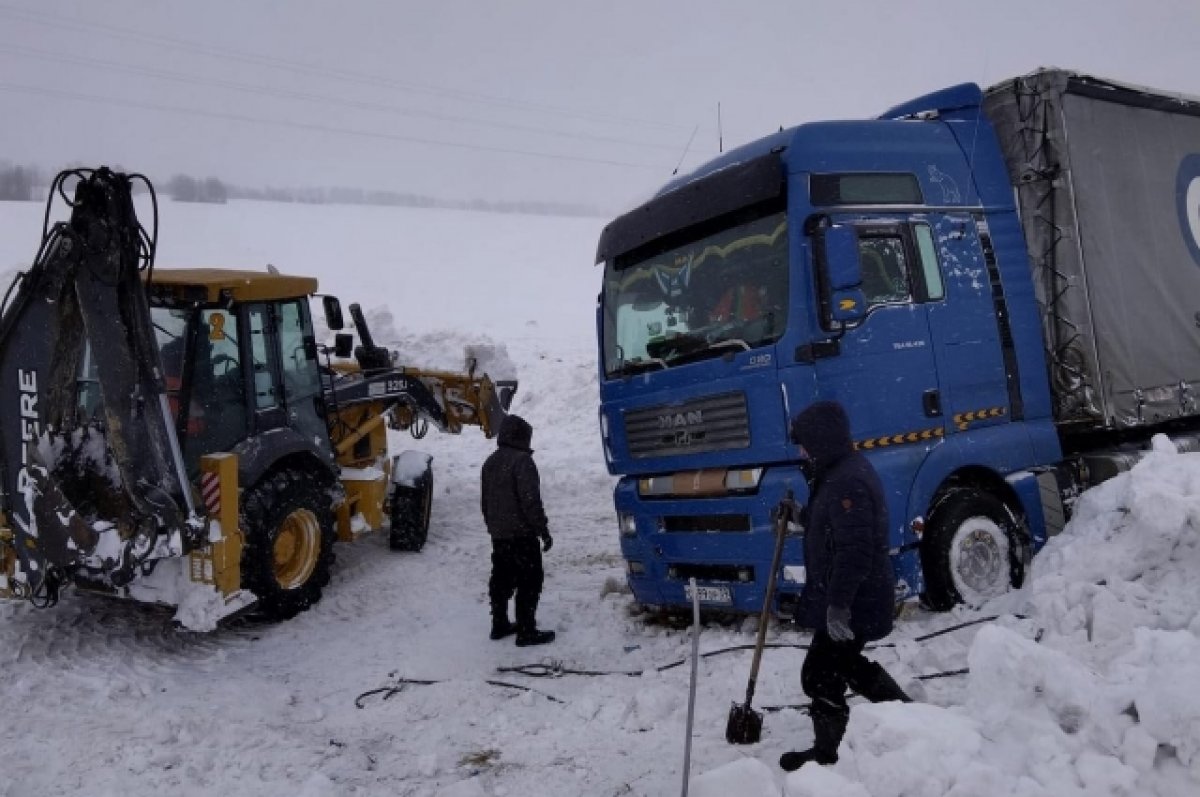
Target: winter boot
point(501, 627)
point(527, 630)
point(534, 637)
point(829, 725)
point(878, 686)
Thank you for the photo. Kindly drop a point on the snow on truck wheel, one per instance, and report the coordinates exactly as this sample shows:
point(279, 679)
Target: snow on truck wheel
point(289, 542)
point(972, 551)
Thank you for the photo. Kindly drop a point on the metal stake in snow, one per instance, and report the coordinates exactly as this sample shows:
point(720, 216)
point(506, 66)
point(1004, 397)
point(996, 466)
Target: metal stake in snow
point(687, 744)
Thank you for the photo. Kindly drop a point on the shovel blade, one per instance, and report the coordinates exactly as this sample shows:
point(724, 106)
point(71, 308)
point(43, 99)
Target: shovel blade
point(744, 726)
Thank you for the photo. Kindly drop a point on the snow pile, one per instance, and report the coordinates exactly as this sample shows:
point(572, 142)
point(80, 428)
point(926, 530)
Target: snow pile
point(1098, 700)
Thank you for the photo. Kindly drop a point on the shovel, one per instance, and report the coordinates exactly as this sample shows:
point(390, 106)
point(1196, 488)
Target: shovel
point(745, 724)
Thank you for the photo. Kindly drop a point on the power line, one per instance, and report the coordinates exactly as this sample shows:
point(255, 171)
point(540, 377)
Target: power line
point(71, 95)
point(300, 67)
point(161, 74)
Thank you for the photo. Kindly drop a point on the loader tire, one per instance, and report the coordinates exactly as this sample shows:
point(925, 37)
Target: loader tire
point(288, 523)
point(410, 514)
point(973, 550)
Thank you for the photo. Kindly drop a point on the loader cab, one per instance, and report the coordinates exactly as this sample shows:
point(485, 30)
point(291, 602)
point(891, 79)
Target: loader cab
point(239, 359)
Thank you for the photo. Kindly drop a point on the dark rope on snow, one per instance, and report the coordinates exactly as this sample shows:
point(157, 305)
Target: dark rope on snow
point(398, 685)
point(556, 669)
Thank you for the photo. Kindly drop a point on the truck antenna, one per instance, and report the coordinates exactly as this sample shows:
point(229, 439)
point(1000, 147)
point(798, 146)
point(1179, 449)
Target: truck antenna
point(720, 135)
point(686, 147)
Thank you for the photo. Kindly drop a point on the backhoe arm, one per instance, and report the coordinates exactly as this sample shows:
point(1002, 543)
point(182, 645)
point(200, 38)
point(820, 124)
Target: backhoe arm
point(91, 481)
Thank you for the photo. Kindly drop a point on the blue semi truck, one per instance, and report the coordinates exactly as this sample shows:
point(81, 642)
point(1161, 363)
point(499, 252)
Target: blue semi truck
point(1001, 286)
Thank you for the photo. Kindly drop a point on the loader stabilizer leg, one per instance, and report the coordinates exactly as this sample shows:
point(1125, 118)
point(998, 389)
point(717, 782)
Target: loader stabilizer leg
point(70, 480)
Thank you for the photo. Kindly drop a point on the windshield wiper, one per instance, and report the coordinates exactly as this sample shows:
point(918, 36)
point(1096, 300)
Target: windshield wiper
point(716, 347)
point(639, 366)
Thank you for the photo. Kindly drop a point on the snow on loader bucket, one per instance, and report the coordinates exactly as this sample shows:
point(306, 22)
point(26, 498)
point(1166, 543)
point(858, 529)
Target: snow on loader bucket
point(92, 476)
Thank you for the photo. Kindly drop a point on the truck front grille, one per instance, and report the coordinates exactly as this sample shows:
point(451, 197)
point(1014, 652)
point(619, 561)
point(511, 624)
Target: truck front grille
point(713, 423)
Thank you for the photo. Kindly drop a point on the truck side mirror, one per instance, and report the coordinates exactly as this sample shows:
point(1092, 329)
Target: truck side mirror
point(841, 257)
point(843, 271)
point(343, 345)
point(333, 312)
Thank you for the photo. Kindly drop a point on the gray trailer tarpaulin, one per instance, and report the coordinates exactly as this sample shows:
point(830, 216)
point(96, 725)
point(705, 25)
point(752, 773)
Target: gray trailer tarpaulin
point(1101, 174)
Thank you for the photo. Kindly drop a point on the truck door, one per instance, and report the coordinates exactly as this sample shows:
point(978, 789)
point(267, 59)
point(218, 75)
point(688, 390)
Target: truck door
point(970, 328)
point(884, 372)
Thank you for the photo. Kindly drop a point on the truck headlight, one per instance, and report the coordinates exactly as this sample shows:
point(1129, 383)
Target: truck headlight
point(627, 523)
point(744, 479)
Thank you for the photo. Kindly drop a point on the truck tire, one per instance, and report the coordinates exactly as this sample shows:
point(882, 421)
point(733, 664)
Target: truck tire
point(288, 552)
point(410, 514)
point(972, 550)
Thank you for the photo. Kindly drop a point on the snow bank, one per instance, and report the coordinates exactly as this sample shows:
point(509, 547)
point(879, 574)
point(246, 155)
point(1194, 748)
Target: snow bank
point(1098, 697)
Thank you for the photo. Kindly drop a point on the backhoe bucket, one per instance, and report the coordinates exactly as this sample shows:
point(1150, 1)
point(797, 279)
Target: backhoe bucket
point(92, 476)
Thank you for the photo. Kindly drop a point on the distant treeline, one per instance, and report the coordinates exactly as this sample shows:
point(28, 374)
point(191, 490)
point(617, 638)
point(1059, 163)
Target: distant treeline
point(28, 183)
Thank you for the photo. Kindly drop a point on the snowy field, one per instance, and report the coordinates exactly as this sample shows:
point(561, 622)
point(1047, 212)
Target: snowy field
point(1094, 692)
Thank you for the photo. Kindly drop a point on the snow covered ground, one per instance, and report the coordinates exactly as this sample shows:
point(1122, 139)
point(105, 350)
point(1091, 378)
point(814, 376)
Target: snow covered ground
point(1093, 693)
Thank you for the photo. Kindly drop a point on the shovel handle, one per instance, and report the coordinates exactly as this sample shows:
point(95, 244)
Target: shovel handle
point(781, 520)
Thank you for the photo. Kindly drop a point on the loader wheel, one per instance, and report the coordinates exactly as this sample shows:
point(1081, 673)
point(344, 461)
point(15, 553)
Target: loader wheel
point(289, 542)
point(410, 514)
point(973, 550)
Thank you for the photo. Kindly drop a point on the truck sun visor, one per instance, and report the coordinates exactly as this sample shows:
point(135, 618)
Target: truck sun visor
point(710, 197)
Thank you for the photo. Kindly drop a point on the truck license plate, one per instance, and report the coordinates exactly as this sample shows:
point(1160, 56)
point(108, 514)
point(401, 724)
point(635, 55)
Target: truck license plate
point(720, 595)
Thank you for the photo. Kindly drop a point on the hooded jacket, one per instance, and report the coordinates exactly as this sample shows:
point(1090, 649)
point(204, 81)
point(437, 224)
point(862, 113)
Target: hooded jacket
point(846, 535)
point(511, 492)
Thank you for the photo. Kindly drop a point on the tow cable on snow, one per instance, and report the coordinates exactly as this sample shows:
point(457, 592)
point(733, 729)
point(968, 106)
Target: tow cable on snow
point(398, 684)
point(554, 669)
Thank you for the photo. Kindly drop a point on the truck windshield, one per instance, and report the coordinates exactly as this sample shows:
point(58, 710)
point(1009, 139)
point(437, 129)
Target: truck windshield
point(724, 292)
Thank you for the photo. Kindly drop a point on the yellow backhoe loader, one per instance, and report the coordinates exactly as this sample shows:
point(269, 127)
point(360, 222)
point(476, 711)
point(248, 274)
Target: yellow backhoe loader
point(179, 436)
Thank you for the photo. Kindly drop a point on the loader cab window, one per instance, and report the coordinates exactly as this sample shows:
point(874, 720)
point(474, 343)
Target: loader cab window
point(266, 392)
point(217, 408)
point(298, 352)
point(298, 364)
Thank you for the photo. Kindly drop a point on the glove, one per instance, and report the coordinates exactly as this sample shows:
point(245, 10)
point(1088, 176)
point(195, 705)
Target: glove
point(837, 624)
point(547, 542)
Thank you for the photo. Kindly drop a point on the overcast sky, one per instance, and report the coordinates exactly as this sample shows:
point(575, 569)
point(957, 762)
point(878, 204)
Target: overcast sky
point(560, 100)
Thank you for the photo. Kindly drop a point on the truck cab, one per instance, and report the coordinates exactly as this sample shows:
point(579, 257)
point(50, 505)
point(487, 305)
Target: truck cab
point(873, 263)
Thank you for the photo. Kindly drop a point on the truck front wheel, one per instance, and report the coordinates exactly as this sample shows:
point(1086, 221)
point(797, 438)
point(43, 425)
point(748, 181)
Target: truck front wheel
point(972, 550)
point(288, 523)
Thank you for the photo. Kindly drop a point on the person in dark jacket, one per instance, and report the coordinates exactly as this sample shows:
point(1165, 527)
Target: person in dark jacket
point(849, 594)
point(516, 521)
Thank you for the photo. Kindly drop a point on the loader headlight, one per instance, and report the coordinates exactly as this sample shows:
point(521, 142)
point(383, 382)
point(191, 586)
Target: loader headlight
point(627, 523)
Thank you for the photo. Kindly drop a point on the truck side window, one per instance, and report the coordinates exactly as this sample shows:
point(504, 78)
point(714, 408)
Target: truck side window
point(934, 289)
point(884, 269)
